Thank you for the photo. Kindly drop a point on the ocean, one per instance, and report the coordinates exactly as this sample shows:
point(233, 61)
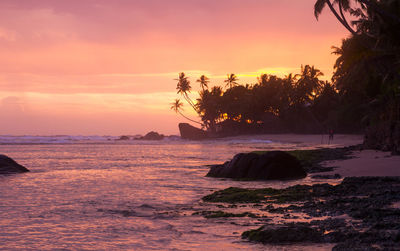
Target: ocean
point(99, 193)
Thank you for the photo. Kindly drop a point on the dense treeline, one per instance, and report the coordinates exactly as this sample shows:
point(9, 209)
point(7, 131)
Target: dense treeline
point(367, 70)
point(296, 103)
point(364, 94)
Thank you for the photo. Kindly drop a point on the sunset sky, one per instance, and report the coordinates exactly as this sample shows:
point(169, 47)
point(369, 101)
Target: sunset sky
point(101, 67)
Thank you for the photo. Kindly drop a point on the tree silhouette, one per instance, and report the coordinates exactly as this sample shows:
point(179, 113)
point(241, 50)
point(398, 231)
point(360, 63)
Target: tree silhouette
point(344, 5)
point(308, 85)
point(203, 80)
point(184, 88)
point(262, 79)
point(231, 81)
point(177, 106)
point(367, 70)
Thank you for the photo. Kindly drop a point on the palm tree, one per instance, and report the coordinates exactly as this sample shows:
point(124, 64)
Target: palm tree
point(367, 70)
point(209, 107)
point(262, 79)
point(184, 88)
point(231, 80)
point(203, 80)
point(176, 106)
point(183, 85)
point(308, 84)
point(344, 5)
point(367, 8)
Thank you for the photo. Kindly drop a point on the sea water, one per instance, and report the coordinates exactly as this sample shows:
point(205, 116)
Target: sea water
point(99, 193)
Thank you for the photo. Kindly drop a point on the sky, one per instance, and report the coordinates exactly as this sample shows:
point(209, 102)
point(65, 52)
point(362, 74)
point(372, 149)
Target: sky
point(101, 67)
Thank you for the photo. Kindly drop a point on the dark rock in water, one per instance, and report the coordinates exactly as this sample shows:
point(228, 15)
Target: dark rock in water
point(123, 137)
point(8, 165)
point(284, 234)
point(190, 132)
point(152, 136)
point(274, 165)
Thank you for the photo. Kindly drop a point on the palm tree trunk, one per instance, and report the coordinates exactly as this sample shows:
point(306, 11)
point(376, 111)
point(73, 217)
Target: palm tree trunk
point(343, 22)
point(344, 18)
point(189, 119)
point(190, 102)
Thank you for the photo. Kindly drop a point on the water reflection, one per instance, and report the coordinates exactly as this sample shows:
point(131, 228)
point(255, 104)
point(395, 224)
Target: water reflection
point(121, 196)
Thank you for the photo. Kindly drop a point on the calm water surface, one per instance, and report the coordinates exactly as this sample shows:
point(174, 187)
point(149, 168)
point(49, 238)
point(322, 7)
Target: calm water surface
point(132, 195)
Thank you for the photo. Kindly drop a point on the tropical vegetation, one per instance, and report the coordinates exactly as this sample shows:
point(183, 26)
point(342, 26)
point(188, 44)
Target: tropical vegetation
point(363, 95)
point(367, 70)
point(296, 103)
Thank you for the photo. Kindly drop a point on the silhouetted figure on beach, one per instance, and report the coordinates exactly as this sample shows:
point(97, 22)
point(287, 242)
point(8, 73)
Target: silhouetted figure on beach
point(330, 135)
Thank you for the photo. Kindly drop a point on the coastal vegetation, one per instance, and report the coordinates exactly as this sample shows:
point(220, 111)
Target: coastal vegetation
point(272, 104)
point(362, 96)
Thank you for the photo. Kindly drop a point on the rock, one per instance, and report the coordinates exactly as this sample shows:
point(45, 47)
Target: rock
point(327, 176)
point(123, 137)
point(293, 233)
point(274, 165)
point(8, 165)
point(152, 136)
point(356, 246)
point(190, 132)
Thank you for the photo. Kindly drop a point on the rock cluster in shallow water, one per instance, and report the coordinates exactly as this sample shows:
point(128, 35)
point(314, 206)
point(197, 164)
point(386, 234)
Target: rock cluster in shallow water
point(361, 213)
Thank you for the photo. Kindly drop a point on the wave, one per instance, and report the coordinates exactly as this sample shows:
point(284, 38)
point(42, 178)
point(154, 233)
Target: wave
point(107, 139)
point(56, 139)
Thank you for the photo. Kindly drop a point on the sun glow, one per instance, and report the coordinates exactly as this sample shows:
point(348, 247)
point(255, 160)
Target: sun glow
point(62, 60)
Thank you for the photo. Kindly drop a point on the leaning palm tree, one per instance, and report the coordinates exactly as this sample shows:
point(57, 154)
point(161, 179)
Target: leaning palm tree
point(344, 6)
point(366, 7)
point(177, 106)
point(231, 80)
point(184, 88)
point(203, 80)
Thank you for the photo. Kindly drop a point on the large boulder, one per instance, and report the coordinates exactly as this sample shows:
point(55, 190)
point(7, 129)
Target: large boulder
point(123, 137)
point(274, 165)
point(190, 132)
point(152, 136)
point(8, 166)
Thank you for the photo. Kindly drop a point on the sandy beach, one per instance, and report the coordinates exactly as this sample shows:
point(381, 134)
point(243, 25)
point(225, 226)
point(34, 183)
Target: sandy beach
point(340, 140)
point(363, 163)
point(367, 163)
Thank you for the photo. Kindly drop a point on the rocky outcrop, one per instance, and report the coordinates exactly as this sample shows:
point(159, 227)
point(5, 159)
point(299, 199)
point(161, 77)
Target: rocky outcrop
point(291, 233)
point(190, 132)
point(274, 165)
point(152, 136)
point(123, 137)
point(8, 166)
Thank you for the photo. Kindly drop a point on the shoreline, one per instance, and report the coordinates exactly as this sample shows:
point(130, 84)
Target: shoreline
point(362, 212)
point(360, 162)
point(340, 140)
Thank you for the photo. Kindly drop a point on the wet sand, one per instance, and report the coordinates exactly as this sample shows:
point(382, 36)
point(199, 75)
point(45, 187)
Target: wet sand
point(367, 163)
